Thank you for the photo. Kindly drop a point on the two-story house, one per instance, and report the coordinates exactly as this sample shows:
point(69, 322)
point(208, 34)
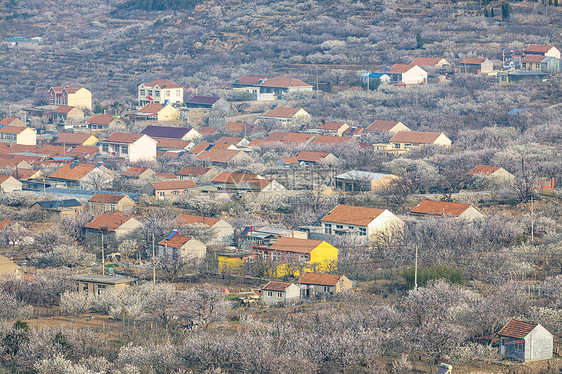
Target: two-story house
point(222, 229)
point(542, 50)
point(158, 112)
point(133, 147)
point(186, 247)
point(77, 96)
point(160, 91)
point(361, 221)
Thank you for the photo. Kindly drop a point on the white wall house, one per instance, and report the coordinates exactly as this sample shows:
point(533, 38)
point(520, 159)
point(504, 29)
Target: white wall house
point(407, 74)
point(160, 91)
point(133, 147)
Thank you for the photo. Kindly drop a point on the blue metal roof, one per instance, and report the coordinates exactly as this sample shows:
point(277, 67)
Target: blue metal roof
point(50, 204)
point(85, 194)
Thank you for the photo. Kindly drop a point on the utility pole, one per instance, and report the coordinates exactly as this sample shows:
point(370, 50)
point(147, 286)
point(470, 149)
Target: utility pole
point(102, 256)
point(532, 221)
point(416, 270)
point(153, 263)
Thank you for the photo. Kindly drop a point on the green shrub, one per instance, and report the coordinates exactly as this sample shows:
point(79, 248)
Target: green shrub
point(451, 273)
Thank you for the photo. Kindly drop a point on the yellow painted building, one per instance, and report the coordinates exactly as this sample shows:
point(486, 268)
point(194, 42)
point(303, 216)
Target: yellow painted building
point(18, 135)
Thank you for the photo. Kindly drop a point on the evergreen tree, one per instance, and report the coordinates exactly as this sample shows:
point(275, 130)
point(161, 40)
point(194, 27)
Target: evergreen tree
point(555, 2)
point(420, 41)
point(550, 2)
point(486, 12)
point(492, 13)
point(506, 11)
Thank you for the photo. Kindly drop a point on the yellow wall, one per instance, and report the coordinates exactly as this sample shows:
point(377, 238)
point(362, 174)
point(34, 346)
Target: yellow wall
point(92, 140)
point(324, 255)
point(27, 137)
point(168, 113)
point(81, 99)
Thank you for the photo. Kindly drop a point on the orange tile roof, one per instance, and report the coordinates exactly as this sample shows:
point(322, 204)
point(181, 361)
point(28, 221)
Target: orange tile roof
point(415, 137)
point(152, 108)
point(517, 329)
point(473, 60)
point(12, 129)
point(237, 127)
point(135, 171)
point(353, 215)
point(168, 176)
point(329, 140)
point(172, 143)
point(286, 244)
point(399, 68)
point(229, 140)
point(533, 58)
point(199, 147)
point(112, 221)
point(227, 177)
point(70, 138)
point(538, 48)
point(63, 109)
point(295, 137)
point(311, 156)
point(440, 208)
point(290, 160)
point(163, 83)
point(207, 130)
point(176, 242)
point(173, 185)
point(330, 126)
point(249, 79)
point(426, 61)
point(84, 151)
point(75, 173)
point(217, 155)
point(276, 286)
point(483, 170)
point(106, 198)
point(321, 279)
point(189, 219)
point(25, 174)
point(6, 121)
point(5, 223)
point(4, 178)
point(381, 125)
point(279, 112)
point(284, 82)
point(193, 171)
point(102, 119)
point(121, 137)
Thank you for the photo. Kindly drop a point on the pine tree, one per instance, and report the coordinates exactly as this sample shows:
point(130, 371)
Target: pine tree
point(420, 41)
point(492, 13)
point(506, 11)
point(555, 2)
point(486, 12)
point(550, 2)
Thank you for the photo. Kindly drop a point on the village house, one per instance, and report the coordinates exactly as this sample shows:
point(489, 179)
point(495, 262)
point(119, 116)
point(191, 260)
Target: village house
point(280, 86)
point(186, 247)
point(545, 64)
point(357, 181)
point(280, 293)
point(368, 77)
point(9, 184)
point(476, 65)
point(490, 174)
point(244, 182)
point(18, 135)
point(266, 236)
point(68, 208)
point(525, 341)
point(361, 221)
point(404, 140)
point(171, 132)
point(226, 141)
point(196, 173)
point(96, 284)
point(77, 96)
point(207, 102)
point(160, 91)
point(436, 63)
point(288, 162)
point(286, 115)
point(112, 225)
point(314, 255)
point(446, 209)
point(102, 202)
point(65, 112)
point(318, 284)
point(325, 140)
point(393, 127)
point(223, 157)
point(316, 157)
point(102, 121)
point(77, 175)
point(542, 50)
point(332, 128)
point(139, 173)
point(9, 269)
point(222, 229)
point(12, 121)
point(69, 139)
point(407, 74)
point(200, 147)
point(157, 112)
point(132, 147)
point(248, 81)
point(171, 189)
point(173, 145)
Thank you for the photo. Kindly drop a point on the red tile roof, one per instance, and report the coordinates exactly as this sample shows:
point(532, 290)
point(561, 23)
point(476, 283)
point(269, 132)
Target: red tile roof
point(75, 173)
point(63, 109)
point(173, 185)
point(68, 89)
point(426, 61)
point(284, 82)
point(473, 60)
point(207, 130)
point(199, 147)
point(533, 58)
point(217, 155)
point(193, 171)
point(329, 140)
point(311, 156)
point(353, 215)
point(151, 108)
point(483, 170)
point(8, 120)
point(5, 223)
point(535, 48)
point(102, 119)
point(69, 138)
point(106, 198)
point(295, 137)
point(176, 242)
point(440, 208)
point(415, 137)
point(167, 176)
point(276, 286)
point(381, 125)
point(517, 329)
point(334, 126)
point(399, 68)
point(227, 177)
point(236, 127)
point(229, 140)
point(320, 279)
point(279, 112)
point(12, 129)
point(188, 219)
point(121, 137)
point(163, 83)
point(290, 160)
point(112, 221)
point(286, 244)
point(135, 171)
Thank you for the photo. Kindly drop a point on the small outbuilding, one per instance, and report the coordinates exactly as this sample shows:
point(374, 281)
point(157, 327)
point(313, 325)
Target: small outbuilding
point(280, 292)
point(95, 284)
point(525, 341)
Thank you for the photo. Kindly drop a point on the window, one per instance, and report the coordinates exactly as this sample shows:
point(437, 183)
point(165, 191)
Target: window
point(396, 145)
point(161, 193)
point(105, 148)
point(168, 93)
point(101, 288)
point(519, 346)
point(52, 101)
point(156, 93)
point(116, 148)
point(125, 149)
point(178, 93)
point(327, 228)
point(174, 192)
point(58, 100)
point(149, 92)
point(524, 65)
point(538, 66)
point(64, 101)
point(326, 289)
point(269, 293)
point(362, 231)
point(64, 94)
point(279, 294)
point(52, 93)
point(339, 227)
point(142, 92)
